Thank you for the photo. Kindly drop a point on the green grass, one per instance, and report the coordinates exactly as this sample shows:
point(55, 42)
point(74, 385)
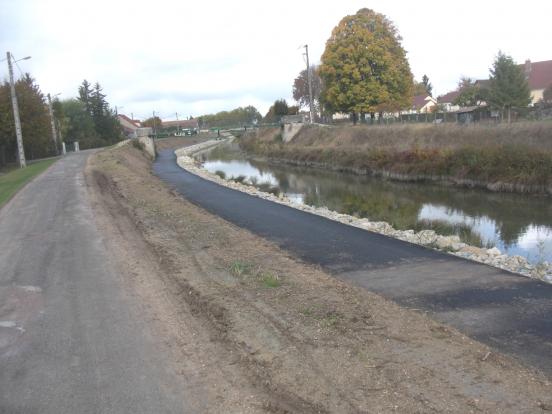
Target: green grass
point(270, 280)
point(240, 268)
point(11, 182)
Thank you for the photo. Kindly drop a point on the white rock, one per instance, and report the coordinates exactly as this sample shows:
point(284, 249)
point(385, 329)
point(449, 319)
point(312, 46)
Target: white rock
point(494, 252)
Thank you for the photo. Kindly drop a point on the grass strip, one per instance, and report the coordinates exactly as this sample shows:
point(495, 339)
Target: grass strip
point(11, 182)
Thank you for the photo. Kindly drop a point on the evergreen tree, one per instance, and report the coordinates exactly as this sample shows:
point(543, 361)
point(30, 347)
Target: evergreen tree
point(427, 85)
point(508, 86)
point(84, 96)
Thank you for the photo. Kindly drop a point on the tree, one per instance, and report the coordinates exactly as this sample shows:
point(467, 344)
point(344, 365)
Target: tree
point(470, 93)
point(78, 124)
point(508, 86)
point(84, 95)
point(419, 89)
point(427, 85)
point(238, 117)
point(301, 88)
point(364, 67)
point(153, 122)
point(34, 117)
point(278, 109)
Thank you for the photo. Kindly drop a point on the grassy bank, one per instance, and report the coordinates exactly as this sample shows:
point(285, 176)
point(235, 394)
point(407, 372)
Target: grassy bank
point(501, 158)
point(11, 182)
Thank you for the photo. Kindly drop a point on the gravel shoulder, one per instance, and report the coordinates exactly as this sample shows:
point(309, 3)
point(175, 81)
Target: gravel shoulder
point(265, 332)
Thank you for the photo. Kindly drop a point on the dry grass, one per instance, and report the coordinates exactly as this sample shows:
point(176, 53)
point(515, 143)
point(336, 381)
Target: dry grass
point(500, 157)
point(536, 135)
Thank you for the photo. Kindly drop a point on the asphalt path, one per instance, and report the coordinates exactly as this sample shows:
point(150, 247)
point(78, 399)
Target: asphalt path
point(504, 310)
point(71, 340)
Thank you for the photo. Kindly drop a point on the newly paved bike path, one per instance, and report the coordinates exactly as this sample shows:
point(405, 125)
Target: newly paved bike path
point(507, 311)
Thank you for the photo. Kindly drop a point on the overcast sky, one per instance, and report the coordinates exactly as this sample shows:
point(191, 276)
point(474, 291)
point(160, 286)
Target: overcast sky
point(196, 57)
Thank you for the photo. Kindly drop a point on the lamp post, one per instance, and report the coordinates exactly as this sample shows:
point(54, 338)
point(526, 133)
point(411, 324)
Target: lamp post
point(53, 122)
point(18, 134)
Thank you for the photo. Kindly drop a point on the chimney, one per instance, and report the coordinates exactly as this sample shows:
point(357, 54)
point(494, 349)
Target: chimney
point(527, 67)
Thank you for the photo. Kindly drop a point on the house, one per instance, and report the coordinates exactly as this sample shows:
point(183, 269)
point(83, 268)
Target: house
point(130, 126)
point(539, 76)
point(422, 104)
point(447, 101)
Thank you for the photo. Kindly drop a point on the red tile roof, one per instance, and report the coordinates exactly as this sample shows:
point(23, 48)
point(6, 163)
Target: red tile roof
point(539, 74)
point(130, 121)
point(448, 97)
point(419, 101)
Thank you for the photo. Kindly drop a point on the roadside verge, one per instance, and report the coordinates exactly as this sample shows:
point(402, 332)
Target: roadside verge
point(12, 182)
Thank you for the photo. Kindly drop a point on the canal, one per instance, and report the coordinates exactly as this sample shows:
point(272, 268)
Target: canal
point(516, 224)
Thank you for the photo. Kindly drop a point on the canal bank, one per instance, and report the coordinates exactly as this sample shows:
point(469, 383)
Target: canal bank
point(493, 232)
point(501, 309)
point(498, 158)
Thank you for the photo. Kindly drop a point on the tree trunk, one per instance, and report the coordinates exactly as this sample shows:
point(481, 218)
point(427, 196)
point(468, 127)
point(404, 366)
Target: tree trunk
point(509, 115)
point(380, 117)
point(362, 118)
point(354, 118)
point(372, 117)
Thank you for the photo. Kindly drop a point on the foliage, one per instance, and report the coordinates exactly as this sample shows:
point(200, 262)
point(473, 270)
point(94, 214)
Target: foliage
point(419, 89)
point(34, 117)
point(508, 87)
point(78, 124)
point(278, 109)
point(239, 117)
point(87, 119)
point(364, 67)
point(427, 85)
point(301, 88)
point(471, 93)
point(106, 126)
point(152, 122)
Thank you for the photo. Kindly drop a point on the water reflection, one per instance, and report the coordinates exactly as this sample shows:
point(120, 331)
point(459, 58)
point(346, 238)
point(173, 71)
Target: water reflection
point(517, 224)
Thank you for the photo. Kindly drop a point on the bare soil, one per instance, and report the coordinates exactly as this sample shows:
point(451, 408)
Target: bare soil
point(260, 331)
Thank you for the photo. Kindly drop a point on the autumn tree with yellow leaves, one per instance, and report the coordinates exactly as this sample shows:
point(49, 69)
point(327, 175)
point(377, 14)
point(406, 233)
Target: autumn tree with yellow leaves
point(364, 68)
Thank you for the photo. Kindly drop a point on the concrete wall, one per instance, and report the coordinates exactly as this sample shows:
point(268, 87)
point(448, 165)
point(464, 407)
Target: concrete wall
point(149, 145)
point(290, 130)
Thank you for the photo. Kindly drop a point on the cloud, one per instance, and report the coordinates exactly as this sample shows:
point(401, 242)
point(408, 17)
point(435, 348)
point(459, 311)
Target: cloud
point(198, 57)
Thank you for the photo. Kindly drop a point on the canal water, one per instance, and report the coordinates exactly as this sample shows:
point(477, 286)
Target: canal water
point(516, 224)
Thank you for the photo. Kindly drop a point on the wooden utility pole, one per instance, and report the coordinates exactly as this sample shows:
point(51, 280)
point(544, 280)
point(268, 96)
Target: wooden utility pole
point(309, 81)
point(53, 123)
point(18, 134)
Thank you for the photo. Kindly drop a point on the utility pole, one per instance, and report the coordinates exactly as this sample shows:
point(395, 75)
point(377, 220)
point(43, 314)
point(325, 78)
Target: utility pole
point(177, 123)
point(53, 123)
point(19, 135)
point(309, 81)
point(154, 129)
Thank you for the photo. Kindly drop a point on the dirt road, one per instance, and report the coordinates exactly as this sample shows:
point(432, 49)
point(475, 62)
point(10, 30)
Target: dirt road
point(269, 333)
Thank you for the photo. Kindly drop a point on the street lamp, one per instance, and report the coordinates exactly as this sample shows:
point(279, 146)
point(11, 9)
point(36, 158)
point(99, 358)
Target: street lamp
point(19, 135)
point(52, 122)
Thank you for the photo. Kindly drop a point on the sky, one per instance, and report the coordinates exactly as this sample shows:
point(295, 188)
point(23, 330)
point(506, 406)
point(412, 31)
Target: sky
point(199, 57)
